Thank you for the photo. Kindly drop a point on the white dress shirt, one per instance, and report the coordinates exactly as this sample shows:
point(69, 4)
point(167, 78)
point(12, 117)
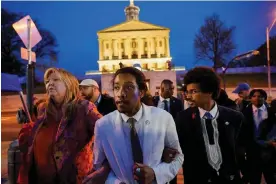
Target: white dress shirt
point(156, 130)
point(263, 114)
point(161, 103)
point(186, 104)
point(139, 126)
point(213, 151)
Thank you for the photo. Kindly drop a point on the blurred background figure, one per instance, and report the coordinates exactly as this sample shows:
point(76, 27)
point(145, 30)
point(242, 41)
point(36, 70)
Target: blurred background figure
point(242, 90)
point(147, 99)
point(169, 103)
point(186, 102)
point(225, 101)
point(258, 136)
point(90, 91)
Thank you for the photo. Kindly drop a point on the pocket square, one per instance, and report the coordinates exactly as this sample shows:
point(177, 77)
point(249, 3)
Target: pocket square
point(226, 123)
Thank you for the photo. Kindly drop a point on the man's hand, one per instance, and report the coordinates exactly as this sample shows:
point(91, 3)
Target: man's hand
point(21, 116)
point(99, 176)
point(169, 155)
point(143, 173)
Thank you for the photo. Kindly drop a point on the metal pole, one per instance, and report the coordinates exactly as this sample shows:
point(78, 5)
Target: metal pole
point(30, 72)
point(268, 62)
point(224, 81)
point(24, 106)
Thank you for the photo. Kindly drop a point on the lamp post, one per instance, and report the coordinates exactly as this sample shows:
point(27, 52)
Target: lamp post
point(268, 29)
point(236, 58)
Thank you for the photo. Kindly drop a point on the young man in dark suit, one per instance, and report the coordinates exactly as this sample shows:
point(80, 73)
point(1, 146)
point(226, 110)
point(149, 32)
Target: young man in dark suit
point(90, 90)
point(259, 137)
point(166, 100)
point(169, 103)
point(208, 132)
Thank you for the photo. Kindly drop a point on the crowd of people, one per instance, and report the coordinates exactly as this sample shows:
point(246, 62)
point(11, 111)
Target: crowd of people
point(79, 135)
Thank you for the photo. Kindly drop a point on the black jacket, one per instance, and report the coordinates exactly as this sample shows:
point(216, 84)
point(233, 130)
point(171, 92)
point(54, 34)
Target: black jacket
point(196, 167)
point(252, 146)
point(106, 105)
point(176, 105)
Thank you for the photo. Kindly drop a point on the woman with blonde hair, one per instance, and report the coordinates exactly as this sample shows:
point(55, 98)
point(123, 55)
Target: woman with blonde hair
point(56, 148)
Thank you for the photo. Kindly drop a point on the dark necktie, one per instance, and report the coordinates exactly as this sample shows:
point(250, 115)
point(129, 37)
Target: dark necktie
point(166, 106)
point(209, 127)
point(137, 152)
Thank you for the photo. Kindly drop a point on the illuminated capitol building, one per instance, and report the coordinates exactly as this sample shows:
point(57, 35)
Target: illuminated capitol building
point(135, 43)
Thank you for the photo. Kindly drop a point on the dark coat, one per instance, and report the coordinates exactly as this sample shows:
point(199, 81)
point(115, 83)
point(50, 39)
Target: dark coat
point(176, 105)
point(196, 166)
point(106, 105)
point(72, 145)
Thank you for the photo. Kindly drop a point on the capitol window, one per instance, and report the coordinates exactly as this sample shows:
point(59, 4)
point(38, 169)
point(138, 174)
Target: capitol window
point(107, 46)
point(160, 43)
point(133, 44)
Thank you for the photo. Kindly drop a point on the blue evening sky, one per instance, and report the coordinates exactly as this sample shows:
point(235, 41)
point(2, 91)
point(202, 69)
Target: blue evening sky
point(75, 25)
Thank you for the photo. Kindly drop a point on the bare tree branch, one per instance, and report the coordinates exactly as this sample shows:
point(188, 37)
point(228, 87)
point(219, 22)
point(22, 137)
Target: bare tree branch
point(214, 41)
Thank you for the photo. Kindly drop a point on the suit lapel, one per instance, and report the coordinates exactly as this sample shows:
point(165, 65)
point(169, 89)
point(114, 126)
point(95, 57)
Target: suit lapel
point(147, 139)
point(198, 129)
point(156, 100)
point(172, 106)
point(223, 131)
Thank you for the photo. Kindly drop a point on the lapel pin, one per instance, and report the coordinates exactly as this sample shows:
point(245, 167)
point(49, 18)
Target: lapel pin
point(147, 122)
point(226, 123)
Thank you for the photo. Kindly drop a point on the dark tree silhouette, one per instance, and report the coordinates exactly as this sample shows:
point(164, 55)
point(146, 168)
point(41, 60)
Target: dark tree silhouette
point(46, 49)
point(214, 41)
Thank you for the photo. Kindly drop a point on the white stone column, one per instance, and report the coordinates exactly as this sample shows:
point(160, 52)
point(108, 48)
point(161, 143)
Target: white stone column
point(158, 48)
point(101, 50)
point(148, 47)
point(128, 48)
point(110, 49)
point(115, 48)
point(120, 48)
point(153, 45)
point(167, 47)
point(140, 47)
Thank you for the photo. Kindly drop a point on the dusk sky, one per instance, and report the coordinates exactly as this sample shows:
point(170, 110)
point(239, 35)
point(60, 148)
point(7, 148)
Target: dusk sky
point(75, 25)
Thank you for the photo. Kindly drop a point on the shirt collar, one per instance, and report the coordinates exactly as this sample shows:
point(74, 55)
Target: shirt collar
point(262, 108)
point(137, 116)
point(99, 99)
point(213, 112)
point(162, 99)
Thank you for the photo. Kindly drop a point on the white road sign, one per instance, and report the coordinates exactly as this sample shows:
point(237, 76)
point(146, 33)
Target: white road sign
point(21, 27)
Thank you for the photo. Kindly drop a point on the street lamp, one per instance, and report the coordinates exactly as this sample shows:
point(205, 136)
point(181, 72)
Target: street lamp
point(268, 29)
point(236, 58)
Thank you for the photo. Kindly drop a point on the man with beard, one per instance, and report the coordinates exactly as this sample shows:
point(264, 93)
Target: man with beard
point(90, 90)
point(133, 138)
point(186, 101)
point(243, 100)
